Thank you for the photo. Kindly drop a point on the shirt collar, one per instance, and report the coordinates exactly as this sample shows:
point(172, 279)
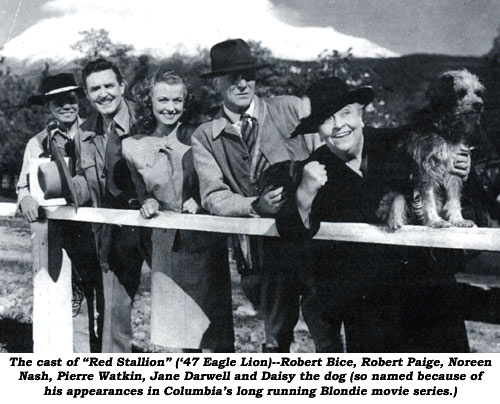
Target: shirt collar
point(94, 126)
point(122, 120)
point(234, 117)
point(74, 128)
point(223, 122)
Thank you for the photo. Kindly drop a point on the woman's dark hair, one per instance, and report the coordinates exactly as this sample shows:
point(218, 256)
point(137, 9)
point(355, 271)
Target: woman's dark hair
point(145, 120)
point(99, 65)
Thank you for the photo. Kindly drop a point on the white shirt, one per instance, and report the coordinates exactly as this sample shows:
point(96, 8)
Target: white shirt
point(235, 118)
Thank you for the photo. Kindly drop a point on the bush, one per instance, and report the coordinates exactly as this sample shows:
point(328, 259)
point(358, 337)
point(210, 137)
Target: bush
point(399, 85)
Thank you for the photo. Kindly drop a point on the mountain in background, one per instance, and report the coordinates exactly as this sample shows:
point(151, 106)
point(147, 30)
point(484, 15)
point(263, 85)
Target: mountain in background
point(162, 29)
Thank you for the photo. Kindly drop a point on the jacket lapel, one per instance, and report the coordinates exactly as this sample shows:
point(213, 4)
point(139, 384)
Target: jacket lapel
point(222, 131)
point(271, 144)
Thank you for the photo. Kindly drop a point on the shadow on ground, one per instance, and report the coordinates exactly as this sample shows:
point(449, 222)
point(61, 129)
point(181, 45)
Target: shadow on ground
point(15, 336)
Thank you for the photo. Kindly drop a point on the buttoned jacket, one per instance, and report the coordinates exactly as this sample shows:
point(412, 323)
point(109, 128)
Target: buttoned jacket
point(222, 161)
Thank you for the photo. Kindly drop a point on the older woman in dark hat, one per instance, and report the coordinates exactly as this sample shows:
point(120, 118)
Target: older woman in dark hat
point(60, 94)
point(365, 287)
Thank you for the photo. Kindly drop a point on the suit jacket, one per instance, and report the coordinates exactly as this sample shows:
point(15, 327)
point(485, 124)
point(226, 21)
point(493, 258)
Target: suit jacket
point(90, 179)
point(222, 161)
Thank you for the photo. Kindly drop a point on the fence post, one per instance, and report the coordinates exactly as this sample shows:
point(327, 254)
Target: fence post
point(52, 292)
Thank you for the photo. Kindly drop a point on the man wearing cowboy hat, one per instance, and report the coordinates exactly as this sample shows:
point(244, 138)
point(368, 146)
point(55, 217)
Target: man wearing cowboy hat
point(231, 154)
point(59, 93)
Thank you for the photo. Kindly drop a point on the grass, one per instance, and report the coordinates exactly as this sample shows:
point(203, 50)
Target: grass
point(16, 302)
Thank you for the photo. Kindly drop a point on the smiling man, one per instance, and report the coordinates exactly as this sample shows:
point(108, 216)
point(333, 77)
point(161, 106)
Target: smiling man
point(60, 95)
point(103, 179)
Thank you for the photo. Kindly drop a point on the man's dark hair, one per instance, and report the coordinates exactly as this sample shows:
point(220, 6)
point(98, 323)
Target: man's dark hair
point(99, 65)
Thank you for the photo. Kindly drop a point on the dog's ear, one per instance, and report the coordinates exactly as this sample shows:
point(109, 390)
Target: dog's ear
point(441, 93)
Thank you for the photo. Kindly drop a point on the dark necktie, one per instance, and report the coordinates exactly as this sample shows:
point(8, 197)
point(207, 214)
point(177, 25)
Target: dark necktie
point(113, 155)
point(248, 130)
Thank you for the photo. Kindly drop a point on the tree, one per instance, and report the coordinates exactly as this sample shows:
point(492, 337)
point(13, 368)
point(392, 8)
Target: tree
point(141, 70)
point(96, 43)
point(17, 122)
point(292, 77)
point(490, 119)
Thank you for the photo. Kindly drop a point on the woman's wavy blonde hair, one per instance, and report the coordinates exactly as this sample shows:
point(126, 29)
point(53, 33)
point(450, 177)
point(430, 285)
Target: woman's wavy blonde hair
point(145, 119)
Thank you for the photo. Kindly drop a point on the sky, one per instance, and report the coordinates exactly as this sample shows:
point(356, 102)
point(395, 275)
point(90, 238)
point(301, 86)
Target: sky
point(162, 28)
point(455, 27)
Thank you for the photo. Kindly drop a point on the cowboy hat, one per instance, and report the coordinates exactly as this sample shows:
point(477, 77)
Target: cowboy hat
point(232, 56)
point(327, 96)
point(54, 85)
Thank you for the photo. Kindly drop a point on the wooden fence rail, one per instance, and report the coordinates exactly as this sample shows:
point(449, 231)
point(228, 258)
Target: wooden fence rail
point(486, 239)
point(52, 328)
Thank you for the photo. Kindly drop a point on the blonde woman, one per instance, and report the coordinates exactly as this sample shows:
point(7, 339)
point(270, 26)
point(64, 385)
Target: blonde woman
point(191, 287)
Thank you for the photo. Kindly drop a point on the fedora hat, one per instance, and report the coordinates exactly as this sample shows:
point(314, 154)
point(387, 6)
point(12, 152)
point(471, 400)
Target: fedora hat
point(54, 85)
point(232, 56)
point(327, 96)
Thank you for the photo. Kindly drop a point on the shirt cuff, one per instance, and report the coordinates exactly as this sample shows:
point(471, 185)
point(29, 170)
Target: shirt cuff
point(252, 212)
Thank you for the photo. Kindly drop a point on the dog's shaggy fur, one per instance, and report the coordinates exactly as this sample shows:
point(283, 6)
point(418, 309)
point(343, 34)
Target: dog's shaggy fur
point(437, 133)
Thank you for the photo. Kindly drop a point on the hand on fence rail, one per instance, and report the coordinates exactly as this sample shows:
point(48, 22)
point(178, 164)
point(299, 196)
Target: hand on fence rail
point(487, 239)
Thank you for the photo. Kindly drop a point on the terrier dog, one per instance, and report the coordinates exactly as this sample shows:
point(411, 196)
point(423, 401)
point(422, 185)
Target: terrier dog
point(446, 127)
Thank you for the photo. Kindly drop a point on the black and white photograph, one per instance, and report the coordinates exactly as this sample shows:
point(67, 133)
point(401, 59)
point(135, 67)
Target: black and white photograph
point(266, 176)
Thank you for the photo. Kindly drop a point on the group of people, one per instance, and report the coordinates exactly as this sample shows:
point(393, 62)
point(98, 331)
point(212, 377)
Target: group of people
point(299, 160)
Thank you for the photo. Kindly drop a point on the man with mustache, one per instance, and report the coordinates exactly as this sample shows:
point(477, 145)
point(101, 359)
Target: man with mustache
point(103, 179)
point(60, 95)
point(231, 154)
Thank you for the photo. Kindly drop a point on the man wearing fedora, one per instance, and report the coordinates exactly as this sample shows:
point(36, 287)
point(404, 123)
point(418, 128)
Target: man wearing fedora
point(59, 93)
point(231, 154)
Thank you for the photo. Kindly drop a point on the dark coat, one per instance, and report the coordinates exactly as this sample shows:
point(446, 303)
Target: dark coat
point(375, 289)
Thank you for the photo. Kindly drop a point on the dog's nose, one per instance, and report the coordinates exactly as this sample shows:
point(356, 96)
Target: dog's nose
point(478, 106)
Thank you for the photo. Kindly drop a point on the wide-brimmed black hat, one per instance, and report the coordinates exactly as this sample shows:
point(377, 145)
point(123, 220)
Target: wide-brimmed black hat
point(54, 85)
point(232, 56)
point(328, 96)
